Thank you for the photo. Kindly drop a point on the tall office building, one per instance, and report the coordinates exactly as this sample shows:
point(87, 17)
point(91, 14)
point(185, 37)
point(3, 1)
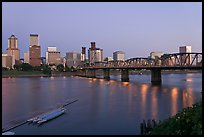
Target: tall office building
point(119, 56)
point(34, 50)
point(185, 58)
point(83, 54)
point(13, 50)
point(95, 54)
point(53, 56)
point(73, 59)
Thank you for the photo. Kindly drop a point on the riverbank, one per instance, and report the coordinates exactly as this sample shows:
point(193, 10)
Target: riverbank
point(15, 73)
point(186, 122)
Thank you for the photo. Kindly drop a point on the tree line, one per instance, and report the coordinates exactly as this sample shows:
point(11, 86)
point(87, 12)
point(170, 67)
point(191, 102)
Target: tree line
point(46, 69)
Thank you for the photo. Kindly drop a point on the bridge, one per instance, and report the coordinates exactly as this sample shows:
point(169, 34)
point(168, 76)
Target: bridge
point(175, 61)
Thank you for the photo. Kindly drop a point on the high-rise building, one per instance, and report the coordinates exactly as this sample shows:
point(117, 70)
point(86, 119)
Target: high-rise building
point(95, 54)
point(34, 39)
point(83, 54)
point(119, 56)
point(73, 59)
point(185, 58)
point(53, 56)
point(13, 50)
point(34, 50)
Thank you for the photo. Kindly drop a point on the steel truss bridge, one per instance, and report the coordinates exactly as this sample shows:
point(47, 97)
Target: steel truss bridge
point(175, 61)
point(166, 61)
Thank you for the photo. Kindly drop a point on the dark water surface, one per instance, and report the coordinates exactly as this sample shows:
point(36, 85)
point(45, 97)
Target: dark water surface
point(103, 107)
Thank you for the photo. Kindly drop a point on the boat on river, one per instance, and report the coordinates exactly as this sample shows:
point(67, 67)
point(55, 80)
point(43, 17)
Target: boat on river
point(8, 133)
point(48, 116)
point(52, 115)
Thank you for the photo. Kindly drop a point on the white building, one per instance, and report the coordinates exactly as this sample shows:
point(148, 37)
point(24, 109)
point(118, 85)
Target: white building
point(108, 59)
point(185, 49)
point(52, 49)
point(185, 58)
point(119, 56)
point(26, 57)
point(156, 54)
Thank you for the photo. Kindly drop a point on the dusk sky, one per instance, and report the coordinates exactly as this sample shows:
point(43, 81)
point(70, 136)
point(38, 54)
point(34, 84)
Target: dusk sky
point(133, 27)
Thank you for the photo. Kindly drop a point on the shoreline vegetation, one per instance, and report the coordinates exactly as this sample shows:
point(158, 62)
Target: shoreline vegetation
point(185, 122)
point(17, 73)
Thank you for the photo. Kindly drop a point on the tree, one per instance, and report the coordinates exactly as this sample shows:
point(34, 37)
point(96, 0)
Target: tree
point(37, 68)
point(4, 68)
point(46, 69)
point(26, 67)
point(67, 68)
point(60, 67)
point(17, 67)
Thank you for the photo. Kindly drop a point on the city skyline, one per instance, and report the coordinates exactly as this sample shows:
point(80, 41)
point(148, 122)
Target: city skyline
point(149, 27)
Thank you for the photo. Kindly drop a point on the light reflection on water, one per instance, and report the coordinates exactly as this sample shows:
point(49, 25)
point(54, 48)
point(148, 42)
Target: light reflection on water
point(174, 100)
point(108, 106)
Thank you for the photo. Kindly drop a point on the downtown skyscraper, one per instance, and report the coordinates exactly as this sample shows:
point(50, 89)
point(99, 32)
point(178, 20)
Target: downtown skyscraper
point(34, 50)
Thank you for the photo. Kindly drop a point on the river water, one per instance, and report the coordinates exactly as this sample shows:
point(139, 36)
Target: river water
point(103, 107)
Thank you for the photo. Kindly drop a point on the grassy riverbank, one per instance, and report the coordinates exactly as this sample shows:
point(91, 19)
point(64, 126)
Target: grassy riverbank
point(186, 122)
point(16, 73)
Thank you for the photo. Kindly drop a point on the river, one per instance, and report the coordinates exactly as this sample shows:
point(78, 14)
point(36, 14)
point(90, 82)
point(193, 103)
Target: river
point(103, 107)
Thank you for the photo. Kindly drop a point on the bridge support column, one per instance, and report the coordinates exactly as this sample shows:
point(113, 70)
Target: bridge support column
point(106, 74)
point(83, 73)
point(124, 75)
point(91, 73)
point(156, 76)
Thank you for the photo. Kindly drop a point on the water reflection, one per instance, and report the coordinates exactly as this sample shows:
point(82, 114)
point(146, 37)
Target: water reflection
point(188, 97)
point(144, 88)
point(125, 83)
point(174, 99)
point(154, 102)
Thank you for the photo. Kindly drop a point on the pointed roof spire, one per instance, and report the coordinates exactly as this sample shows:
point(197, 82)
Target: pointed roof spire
point(13, 36)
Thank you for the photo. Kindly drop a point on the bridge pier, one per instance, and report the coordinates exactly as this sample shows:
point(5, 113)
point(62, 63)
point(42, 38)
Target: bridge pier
point(91, 73)
point(156, 76)
point(106, 74)
point(124, 75)
point(81, 73)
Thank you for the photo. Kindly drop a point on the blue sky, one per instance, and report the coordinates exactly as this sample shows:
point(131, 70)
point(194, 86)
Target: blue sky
point(136, 28)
